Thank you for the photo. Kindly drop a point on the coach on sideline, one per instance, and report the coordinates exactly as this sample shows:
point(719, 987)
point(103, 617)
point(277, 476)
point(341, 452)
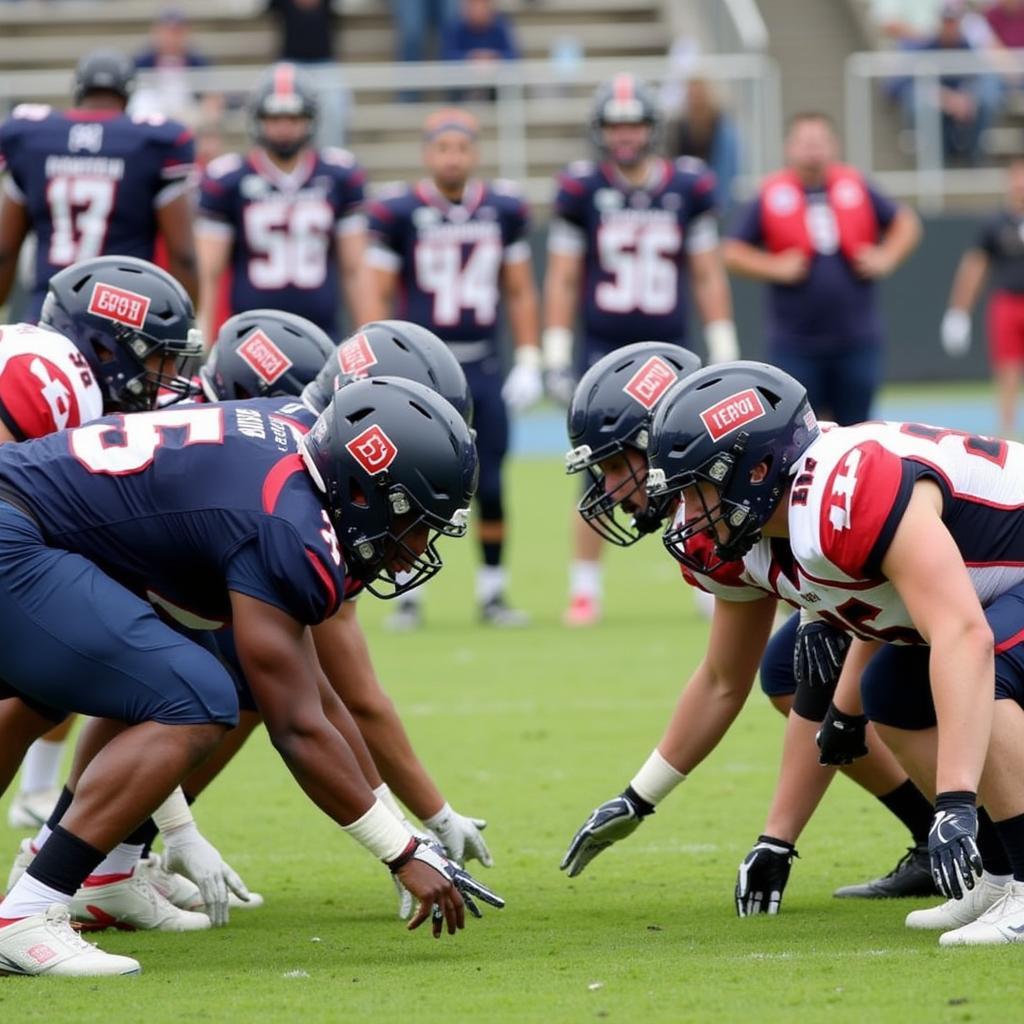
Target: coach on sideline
point(821, 236)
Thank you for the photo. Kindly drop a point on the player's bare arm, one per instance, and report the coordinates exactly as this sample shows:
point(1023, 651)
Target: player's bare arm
point(363, 300)
point(174, 222)
point(787, 267)
point(14, 228)
point(383, 283)
point(213, 254)
point(714, 302)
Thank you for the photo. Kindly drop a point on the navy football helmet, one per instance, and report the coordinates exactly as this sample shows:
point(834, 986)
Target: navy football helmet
point(624, 100)
point(392, 348)
point(283, 92)
point(716, 427)
point(133, 322)
point(262, 353)
point(104, 71)
point(398, 469)
point(610, 411)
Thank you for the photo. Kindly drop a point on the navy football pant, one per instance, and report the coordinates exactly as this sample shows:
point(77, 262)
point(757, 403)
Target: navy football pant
point(73, 639)
point(490, 420)
point(840, 385)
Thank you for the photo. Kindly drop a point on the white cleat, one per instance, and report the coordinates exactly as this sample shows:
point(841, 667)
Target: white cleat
point(956, 913)
point(175, 888)
point(25, 857)
point(254, 902)
point(131, 904)
point(31, 810)
point(46, 944)
point(1003, 922)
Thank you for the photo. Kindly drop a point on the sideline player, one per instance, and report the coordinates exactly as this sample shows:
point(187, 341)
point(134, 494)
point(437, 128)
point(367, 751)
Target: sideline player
point(93, 180)
point(285, 218)
point(450, 249)
point(630, 235)
point(608, 426)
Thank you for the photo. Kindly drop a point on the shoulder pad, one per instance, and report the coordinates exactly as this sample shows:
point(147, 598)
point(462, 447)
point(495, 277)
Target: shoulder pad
point(581, 168)
point(221, 166)
point(691, 165)
point(153, 119)
point(31, 111)
point(390, 190)
point(337, 157)
point(507, 187)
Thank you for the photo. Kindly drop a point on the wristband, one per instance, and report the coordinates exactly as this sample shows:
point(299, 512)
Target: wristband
point(379, 831)
point(173, 813)
point(656, 779)
point(955, 798)
point(556, 343)
point(387, 798)
point(528, 356)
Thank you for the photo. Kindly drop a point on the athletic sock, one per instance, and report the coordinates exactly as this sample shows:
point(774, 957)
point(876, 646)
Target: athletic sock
point(585, 580)
point(491, 582)
point(912, 807)
point(492, 550)
point(1011, 832)
point(144, 836)
point(58, 812)
point(117, 865)
point(990, 846)
point(41, 768)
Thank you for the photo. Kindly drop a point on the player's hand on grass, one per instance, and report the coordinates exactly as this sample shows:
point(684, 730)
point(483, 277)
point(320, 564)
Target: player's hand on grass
point(615, 819)
point(762, 876)
point(191, 854)
point(952, 844)
point(841, 738)
point(560, 386)
point(460, 836)
point(819, 653)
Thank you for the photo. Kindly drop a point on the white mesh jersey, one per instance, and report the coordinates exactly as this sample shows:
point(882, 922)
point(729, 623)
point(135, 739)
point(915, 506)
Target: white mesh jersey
point(45, 382)
point(850, 490)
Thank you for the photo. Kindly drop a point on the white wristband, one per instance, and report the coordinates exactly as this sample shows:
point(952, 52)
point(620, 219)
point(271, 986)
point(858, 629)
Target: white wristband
point(380, 832)
point(557, 345)
point(387, 798)
point(656, 779)
point(173, 813)
point(528, 356)
point(720, 338)
point(435, 819)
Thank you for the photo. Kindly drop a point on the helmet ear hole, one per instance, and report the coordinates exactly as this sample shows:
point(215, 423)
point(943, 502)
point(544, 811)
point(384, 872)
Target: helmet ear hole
point(356, 494)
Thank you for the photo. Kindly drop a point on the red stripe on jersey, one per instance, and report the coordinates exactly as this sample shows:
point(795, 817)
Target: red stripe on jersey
point(622, 87)
point(284, 80)
point(278, 476)
point(301, 428)
point(328, 582)
point(571, 184)
point(858, 500)
point(1010, 641)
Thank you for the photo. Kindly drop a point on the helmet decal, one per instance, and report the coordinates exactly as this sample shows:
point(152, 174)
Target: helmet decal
point(733, 412)
point(650, 382)
point(356, 356)
point(119, 304)
point(265, 358)
point(373, 449)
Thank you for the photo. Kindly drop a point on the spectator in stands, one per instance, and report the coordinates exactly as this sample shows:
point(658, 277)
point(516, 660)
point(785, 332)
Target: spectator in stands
point(1006, 19)
point(416, 21)
point(307, 31)
point(821, 237)
point(704, 130)
point(479, 33)
point(909, 23)
point(169, 58)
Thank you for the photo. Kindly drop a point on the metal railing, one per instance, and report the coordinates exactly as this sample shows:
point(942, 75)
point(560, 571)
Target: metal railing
point(929, 180)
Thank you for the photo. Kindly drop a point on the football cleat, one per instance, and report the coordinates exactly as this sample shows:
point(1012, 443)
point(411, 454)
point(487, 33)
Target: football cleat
point(956, 913)
point(26, 854)
point(46, 944)
point(174, 888)
point(582, 612)
point(31, 810)
point(1003, 922)
point(408, 616)
point(496, 612)
point(912, 876)
point(131, 904)
point(254, 902)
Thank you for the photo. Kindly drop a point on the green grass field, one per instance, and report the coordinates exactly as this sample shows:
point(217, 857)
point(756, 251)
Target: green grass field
point(531, 730)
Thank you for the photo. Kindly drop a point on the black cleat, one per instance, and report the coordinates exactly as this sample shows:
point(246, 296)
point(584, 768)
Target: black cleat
point(912, 876)
point(497, 612)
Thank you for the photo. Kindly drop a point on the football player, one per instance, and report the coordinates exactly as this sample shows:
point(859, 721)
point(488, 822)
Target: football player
point(609, 420)
point(450, 249)
point(285, 218)
point(94, 180)
point(630, 235)
point(350, 498)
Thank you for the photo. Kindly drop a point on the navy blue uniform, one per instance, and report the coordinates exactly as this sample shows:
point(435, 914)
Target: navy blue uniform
point(449, 258)
point(180, 506)
point(635, 242)
point(285, 228)
point(91, 182)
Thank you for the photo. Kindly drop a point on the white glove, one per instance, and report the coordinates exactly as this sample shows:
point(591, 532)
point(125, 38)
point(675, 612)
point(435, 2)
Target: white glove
point(524, 385)
point(190, 854)
point(460, 836)
point(720, 338)
point(956, 333)
point(556, 345)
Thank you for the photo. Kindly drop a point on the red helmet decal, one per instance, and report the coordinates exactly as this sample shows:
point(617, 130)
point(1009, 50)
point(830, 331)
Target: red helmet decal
point(732, 413)
point(650, 382)
point(119, 304)
point(355, 356)
point(373, 449)
point(266, 359)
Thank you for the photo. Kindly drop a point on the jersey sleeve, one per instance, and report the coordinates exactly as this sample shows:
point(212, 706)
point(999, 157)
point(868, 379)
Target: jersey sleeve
point(385, 228)
point(701, 187)
point(571, 199)
point(10, 136)
point(349, 189)
point(747, 225)
point(884, 207)
point(515, 241)
point(177, 161)
point(217, 196)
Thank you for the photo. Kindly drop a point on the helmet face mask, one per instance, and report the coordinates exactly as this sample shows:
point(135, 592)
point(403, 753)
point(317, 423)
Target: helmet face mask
point(284, 99)
point(624, 101)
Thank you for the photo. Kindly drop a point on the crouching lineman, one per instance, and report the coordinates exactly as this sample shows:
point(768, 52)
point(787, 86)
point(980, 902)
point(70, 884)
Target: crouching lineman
point(262, 539)
point(608, 424)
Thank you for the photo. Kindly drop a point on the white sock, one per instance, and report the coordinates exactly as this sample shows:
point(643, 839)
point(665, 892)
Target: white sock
point(29, 896)
point(410, 597)
point(42, 835)
point(585, 580)
point(121, 860)
point(491, 581)
point(41, 767)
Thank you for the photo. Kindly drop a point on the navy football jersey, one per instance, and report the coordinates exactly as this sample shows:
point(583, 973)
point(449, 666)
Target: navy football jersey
point(449, 256)
point(92, 181)
point(634, 242)
point(284, 228)
point(185, 504)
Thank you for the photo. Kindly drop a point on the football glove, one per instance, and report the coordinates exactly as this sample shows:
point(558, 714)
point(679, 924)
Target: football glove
point(615, 819)
point(460, 836)
point(189, 853)
point(469, 888)
point(841, 738)
point(762, 877)
point(524, 385)
point(560, 386)
point(818, 654)
point(956, 332)
point(952, 845)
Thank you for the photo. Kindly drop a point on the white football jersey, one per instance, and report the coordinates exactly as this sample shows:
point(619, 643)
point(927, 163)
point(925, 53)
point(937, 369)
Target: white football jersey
point(45, 382)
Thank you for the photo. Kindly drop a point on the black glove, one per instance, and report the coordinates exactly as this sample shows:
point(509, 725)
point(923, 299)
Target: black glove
point(762, 877)
point(952, 844)
point(615, 819)
point(818, 653)
point(841, 737)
